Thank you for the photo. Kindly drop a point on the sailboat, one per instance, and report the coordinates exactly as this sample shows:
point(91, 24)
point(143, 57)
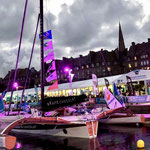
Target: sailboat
point(78, 126)
point(124, 116)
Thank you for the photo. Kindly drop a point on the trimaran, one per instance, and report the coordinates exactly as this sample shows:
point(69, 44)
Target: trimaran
point(70, 125)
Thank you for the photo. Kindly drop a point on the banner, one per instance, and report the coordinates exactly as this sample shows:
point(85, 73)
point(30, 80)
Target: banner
point(111, 101)
point(36, 92)
point(118, 95)
point(46, 35)
point(95, 84)
point(48, 45)
point(51, 103)
point(51, 66)
point(130, 85)
point(53, 86)
point(71, 77)
point(1, 101)
point(51, 77)
point(106, 83)
point(50, 56)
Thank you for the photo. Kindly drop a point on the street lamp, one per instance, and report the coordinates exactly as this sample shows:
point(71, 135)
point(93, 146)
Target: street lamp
point(70, 75)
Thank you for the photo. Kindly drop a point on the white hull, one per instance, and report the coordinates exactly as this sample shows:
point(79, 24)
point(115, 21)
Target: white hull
point(123, 120)
point(51, 126)
point(79, 132)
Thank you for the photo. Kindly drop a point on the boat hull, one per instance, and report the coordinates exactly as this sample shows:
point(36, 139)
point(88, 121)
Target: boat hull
point(54, 126)
point(80, 131)
point(122, 119)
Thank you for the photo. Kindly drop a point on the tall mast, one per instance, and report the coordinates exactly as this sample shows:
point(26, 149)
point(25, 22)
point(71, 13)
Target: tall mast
point(42, 55)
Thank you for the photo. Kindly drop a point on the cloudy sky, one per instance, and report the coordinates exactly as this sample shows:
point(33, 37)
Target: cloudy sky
point(78, 26)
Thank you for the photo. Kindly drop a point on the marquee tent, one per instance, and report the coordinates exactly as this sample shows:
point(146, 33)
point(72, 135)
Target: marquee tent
point(136, 75)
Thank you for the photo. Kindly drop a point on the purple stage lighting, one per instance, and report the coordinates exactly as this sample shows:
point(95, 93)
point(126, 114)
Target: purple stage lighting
point(67, 69)
point(15, 84)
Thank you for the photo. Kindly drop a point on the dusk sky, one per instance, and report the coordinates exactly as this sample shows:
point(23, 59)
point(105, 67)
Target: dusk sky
point(78, 26)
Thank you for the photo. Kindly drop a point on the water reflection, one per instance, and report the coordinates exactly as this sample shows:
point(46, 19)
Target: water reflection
point(122, 137)
point(109, 138)
point(39, 142)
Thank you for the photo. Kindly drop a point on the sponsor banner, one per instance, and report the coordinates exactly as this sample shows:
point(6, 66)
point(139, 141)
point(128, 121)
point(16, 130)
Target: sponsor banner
point(100, 101)
point(106, 82)
point(50, 56)
point(46, 35)
point(53, 86)
point(48, 46)
point(51, 66)
point(92, 100)
point(95, 84)
point(51, 77)
point(51, 103)
point(138, 99)
point(35, 104)
point(118, 95)
point(111, 101)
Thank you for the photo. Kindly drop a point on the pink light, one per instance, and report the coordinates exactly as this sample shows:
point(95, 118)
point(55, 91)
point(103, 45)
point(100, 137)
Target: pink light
point(15, 84)
point(67, 69)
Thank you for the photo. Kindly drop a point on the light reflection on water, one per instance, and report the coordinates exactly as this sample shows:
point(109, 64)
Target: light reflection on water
point(109, 138)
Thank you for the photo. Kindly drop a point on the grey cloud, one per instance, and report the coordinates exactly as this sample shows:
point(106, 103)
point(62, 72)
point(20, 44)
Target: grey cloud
point(80, 26)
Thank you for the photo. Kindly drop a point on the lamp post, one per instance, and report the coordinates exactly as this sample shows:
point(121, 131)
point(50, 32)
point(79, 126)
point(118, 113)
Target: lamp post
point(70, 75)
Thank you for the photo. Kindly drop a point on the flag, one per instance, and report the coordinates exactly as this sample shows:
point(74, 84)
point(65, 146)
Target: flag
point(46, 35)
point(129, 85)
point(111, 101)
point(36, 92)
point(118, 95)
point(106, 82)
point(1, 104)
point(25, 107)
point(48, 45)
point(1, 101)
point(51, 77)
point(51, 66)
point(50, 56)
point(71, 76)
point(95, 84)
point(53, 86)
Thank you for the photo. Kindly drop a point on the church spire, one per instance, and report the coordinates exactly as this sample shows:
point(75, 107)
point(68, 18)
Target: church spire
point(121, 39)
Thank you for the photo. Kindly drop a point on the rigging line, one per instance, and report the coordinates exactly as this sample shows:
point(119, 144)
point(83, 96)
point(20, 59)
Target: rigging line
point(28, 71)
point(23, 21)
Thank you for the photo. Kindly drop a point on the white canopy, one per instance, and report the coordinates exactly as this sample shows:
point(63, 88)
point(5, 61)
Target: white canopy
point(136, 75)
point(65, 86)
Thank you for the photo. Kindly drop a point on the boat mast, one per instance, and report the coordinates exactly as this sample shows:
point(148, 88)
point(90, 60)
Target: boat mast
point(42, 55)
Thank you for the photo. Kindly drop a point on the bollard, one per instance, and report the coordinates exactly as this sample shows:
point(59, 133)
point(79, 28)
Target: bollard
point(140, 145)
point(7, 141)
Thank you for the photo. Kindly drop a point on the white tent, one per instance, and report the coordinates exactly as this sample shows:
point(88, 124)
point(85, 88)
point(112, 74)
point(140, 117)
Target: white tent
point(136, 75)
point(65, 86)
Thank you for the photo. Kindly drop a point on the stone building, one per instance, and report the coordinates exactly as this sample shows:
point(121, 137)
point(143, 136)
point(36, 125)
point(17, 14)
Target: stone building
point(102, 63)
point(7, 82)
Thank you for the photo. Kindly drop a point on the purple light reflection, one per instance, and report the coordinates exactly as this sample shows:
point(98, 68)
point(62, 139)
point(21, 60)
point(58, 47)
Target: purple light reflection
point(18, 145)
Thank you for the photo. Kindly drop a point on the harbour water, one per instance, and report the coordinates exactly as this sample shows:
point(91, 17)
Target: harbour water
point(109, 138)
